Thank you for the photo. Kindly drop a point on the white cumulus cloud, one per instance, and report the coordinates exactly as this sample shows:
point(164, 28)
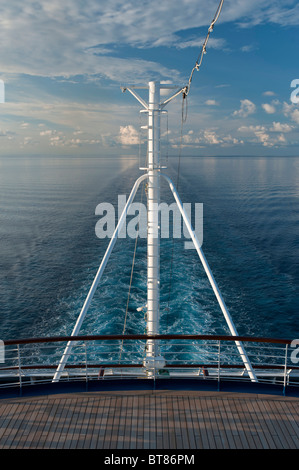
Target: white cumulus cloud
point(247, 107)
point(268, 108)
point(128, 135)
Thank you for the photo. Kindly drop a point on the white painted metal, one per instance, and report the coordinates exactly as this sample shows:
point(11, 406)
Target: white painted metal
point(96, 281)
point(153, 241)
point(213, 283)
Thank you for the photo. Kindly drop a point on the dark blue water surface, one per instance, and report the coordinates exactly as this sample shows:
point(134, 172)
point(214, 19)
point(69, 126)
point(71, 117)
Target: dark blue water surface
point(50, 254)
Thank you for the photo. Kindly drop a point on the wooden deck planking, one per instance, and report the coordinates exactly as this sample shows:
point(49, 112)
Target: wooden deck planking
point(150, 420)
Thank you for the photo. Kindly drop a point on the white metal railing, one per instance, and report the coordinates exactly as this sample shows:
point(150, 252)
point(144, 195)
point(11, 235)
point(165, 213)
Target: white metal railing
point(205, 357)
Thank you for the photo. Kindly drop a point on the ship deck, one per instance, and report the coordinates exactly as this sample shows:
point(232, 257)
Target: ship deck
point(149, 419)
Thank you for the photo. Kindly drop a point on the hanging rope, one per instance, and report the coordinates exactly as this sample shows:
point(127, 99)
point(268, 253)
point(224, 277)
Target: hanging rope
point(204, 48)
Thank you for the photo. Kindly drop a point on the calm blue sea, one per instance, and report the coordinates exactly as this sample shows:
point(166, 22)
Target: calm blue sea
point(50, 254)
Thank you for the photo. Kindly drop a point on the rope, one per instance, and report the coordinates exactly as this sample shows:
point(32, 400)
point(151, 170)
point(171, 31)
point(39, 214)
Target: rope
point(204, 48)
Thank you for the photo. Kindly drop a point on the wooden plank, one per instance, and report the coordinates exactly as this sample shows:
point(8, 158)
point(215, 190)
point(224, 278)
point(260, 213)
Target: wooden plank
point(207, 423)
point(69, 410)
point(202, 425)
point(38, 424)
point(99, 411)
point(115, 418)
point(251, 431)
point(24, 429)
point(159, 422)
point(177, 423)
point(103, 424)
point(109, 424)
point(279, 436)
point(134, 424)
point(140, 424)
point(84, 430)
point(6, 413)
point(252, 407)
point(128, 423)
point(53, 434)
point(230, 411)
point(122, 423)
point(14, 426)
point(189, 424)
point(210, 401)
point(293, 418)
point(218, 411)
point(43, 421)
point(150, 420)
point(195, 423)
point(32, 419)
point(153, 426)
point(266, 423)
point(243, 426)
point(169, 439)
point(146, 424)
point(72, 429)
point(77, 419)
point(183, 421)
point(278, 410)
point(60, 418)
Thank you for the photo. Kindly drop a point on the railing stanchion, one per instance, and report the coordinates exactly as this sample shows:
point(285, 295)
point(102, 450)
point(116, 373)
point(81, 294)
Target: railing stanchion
point(285, 370)
point(19, 366)
point(86, 371)
point(219, 343)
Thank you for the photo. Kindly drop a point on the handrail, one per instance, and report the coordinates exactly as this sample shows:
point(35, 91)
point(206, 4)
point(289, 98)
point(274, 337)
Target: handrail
point(28, 367)
point(53, 339)
point(137, 366)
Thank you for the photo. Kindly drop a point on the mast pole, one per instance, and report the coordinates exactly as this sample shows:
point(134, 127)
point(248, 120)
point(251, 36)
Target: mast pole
point(153, 360)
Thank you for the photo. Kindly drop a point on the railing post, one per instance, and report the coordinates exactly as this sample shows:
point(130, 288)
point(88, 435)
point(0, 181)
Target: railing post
point(285, 370)
point(86, 371)
point(19, 365)
point(219, 342)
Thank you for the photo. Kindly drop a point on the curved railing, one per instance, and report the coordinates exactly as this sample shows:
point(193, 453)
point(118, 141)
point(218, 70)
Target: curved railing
point(94, 357)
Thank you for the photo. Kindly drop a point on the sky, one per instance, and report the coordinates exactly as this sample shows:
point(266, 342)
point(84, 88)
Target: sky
point(63, 64)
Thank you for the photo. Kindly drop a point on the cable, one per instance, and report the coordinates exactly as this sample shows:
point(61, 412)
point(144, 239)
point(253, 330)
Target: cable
point(204, 48)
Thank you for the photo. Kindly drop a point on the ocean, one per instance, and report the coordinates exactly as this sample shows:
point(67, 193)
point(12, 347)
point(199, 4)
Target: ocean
point(50, 253)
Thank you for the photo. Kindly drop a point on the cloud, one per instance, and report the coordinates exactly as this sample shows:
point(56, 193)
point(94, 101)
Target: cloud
point(247, 107)
point(269, 93)
point(214, 43)
point(211, 103)
point(248, 48)
point(270, 109)
point(264, 135)
point(69, 38)
point(128, 135)
point(292, 111)
point(278, 127)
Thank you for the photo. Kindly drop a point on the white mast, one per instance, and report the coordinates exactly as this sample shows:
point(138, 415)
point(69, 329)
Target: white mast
point(153, 225)
point(153, 361)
